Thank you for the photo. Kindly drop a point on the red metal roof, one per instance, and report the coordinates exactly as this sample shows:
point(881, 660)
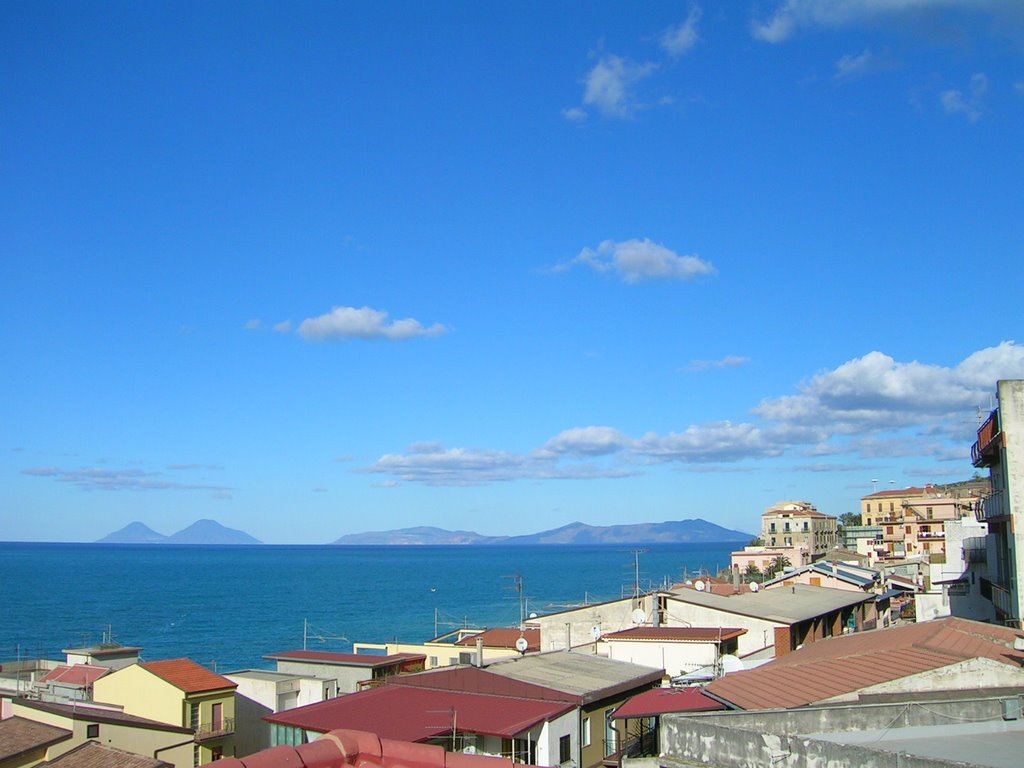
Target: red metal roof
point(187, 676)
point(677, 634)
point(417, 714)
point(348, 748)
point(659, 701)
point(345, 659)
point(846, 664)
point(504, 638)
point(76, 674)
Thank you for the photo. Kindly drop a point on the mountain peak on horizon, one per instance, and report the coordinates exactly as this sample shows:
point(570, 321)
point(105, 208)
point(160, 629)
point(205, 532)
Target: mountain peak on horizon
point(204, 531)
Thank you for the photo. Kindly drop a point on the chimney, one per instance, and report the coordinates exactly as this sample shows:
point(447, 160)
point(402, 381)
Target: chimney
point(479, 650)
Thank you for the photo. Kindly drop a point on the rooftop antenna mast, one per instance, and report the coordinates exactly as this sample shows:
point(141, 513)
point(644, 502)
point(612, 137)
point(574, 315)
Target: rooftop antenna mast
point(316, 635)
point(636, 571)
point(517, 585)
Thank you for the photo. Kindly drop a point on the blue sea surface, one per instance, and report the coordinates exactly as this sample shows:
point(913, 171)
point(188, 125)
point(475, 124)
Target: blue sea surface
point(228, 606)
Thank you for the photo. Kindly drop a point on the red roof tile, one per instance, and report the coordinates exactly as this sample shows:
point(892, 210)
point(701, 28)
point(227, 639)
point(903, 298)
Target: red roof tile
point(345, 659)
point(659, 701)
point(76, 674)
point(677, 634)
point(417, 714)
point(348, 748)
point(187, 676)
point(504, 638)
point(846, 664)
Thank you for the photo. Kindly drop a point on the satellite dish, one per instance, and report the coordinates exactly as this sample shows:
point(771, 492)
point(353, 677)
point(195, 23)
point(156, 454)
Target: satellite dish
point(639, 617)
point(595, 632)
point(754, 586)
point(699, 585)
point(731, 663)
point(533, 615)
point(522, 644)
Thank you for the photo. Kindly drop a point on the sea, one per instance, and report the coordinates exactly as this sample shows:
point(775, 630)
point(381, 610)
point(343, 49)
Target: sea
point(228, 606)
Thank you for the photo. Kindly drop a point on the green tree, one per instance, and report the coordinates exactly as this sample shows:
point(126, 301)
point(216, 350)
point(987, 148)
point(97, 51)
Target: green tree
point(848, 519)
point(777, 566)
point(757, 541)
point(753, 573)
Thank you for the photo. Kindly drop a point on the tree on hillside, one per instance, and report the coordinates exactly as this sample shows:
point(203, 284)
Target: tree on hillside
point(848, 519)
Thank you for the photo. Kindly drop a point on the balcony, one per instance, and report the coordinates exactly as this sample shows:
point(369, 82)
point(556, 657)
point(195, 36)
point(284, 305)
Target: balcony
point(215, 730)
point(992, 507)
point(932, 535)
point(985, 452)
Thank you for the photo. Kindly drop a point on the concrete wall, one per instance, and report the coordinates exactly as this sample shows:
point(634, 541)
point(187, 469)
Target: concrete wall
point(1011, 422)
point(675, 658)
point(760, 632)
point(609, 617)
point(346, 677)
point(768, 738)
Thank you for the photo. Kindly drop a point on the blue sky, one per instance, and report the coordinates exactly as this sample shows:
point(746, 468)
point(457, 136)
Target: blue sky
point(312, 269)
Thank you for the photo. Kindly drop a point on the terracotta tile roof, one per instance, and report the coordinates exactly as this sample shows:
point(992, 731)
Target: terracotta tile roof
point(348, 748)
point(846, 664)
point(19, 735)
point(660, 701)
point(187, 676)
point(912, 491)
point(504, 638)
point(345, 659)
point(77, 674)
point(417, 714)
point(92, 754)
point(677, 634)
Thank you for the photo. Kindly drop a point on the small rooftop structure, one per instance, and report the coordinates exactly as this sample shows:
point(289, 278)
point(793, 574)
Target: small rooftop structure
point(368, 660)
point(786, 606)
point(92, 754)
point(660, 701)
point(77, 675)
point(111, 655)
point(503, 637)
point(585, 676)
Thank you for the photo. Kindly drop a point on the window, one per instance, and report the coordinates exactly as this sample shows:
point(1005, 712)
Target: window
point(892, 507)
point(879, 506)
point(466, 657)
point(585, 735)
point(564, 749)
point(772, 528)
point(193, 716)
point(928, 511)
point(92, 731)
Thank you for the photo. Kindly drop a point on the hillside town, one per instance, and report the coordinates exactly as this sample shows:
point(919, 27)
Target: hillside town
point(889, 637)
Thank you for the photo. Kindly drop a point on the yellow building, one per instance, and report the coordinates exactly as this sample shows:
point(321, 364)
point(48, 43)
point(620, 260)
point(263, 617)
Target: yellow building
point(913, 520)
point(798, 525)
point(178, 692)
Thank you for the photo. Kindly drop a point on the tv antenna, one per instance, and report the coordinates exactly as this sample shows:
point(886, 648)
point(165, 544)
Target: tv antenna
point(309, 632)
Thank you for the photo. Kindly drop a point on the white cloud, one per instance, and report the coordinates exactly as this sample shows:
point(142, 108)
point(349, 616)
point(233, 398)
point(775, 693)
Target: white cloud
point(681, 38)
point(608, 86)
point(875, 391)
point(969, 104)
point(638, 260)
point(790, 16)
point(95, 478)
point(729, 361)
point(283, 327)
point(574, 114)
point(872, 407)
point(587, 441)
point(254, 325)
point(851, 67)
point(363, 323)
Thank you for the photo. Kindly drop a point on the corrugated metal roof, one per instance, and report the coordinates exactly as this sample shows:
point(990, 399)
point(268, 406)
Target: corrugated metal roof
point(417, 714)
point(785, 606)
point(187, 676)
point(584, 675)
point(845, 664)
point(677, 634)
point(660, 701)
point(345, 659)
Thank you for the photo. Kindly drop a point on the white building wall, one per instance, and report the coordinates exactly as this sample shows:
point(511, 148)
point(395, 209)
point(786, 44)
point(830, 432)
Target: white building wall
point(576, 626)
point(1011, 415)
point(675, 658)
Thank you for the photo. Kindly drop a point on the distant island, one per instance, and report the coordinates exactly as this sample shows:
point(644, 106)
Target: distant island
point(200, 532)
point(696, 531)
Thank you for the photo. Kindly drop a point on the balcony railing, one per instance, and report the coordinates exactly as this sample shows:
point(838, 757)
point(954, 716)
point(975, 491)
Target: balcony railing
point(225, 727)
point(983, 451)
point(993, 507)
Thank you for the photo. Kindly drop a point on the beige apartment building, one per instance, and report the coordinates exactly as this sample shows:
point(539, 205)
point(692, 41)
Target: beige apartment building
point(913, 520)
point(798, 525)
